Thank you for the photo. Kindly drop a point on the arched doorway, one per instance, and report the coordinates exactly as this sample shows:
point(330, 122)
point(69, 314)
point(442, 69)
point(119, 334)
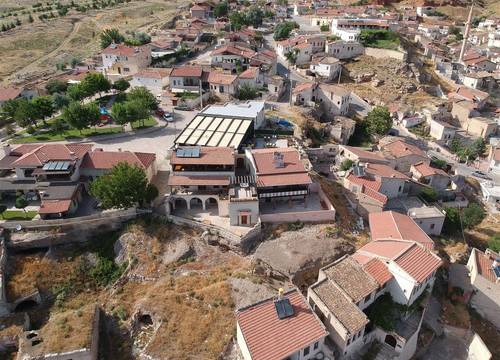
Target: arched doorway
point(196, 204)
point(180, 204)
point(212, 205)
point(26, 305)
point(240, 163)
point(390, 340)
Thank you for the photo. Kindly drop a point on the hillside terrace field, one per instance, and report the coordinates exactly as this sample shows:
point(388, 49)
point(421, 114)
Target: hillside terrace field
point(34, 49)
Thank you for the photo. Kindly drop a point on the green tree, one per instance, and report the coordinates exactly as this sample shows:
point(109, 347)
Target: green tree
point(2, 210)
point(346, 164)
point(221, 9)
point(60, 101)
point(247, 92)
point(378, 121)
point(9, 108)
point(254, 16)
point(121, 85)
point(109, 36)
point(324, 28)
point(44, 107)
point(282, 30)
point(81, 116)
point(21, 202)
point(429, 194)
point(452, 222)
point(145, 96)
point(494, 243)
point(291, 56)
point(95, 83)
point(472, 215)
point(56, 86)
point(237, 20)
point(120, 114)
point(26, 113)
point(151, 193)
point(77, 92)
point(123, 187)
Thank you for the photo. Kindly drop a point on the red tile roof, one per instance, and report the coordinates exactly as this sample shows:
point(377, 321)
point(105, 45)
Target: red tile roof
point(268, 174)
point(303, 86)
point(187, 70)
point(9, 93)
point(363, 181)
point(208, 156)
point(124, 50)
point(381, 198)
point(418, 262)
point(384, 171)
point(51, 152)
point(378, 270)
point(390, 225)
point(386, 249)
point(217, 77)
point(250, 73)
point(54, 206)
point(471, 94)
point(234, 50)
point(178, 180)
point(364, 155)
point(105, 160)
point(426, 170)
point(269, 338)
point(400, 149)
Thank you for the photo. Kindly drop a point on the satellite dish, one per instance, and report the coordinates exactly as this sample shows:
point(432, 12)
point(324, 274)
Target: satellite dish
point(19, 227)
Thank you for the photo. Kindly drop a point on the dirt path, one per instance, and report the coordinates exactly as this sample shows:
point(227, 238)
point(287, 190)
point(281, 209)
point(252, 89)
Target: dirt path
point(32, 66)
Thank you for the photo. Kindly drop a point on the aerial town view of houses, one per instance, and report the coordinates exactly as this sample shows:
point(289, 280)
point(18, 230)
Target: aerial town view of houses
point(250, 179)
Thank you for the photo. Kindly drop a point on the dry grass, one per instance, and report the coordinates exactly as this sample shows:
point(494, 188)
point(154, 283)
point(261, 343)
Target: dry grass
point(455, 314)
point(67, 330)
point(29, 272)
point(480, 235)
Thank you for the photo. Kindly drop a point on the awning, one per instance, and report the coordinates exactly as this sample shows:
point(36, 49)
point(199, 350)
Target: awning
point(186, 180)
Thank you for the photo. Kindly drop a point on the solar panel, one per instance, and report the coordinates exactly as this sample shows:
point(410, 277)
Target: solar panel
point(188, 152)
point(283, 308)
point(358, 171)
point(46, 166)
point(496, 270)
point(59, 165)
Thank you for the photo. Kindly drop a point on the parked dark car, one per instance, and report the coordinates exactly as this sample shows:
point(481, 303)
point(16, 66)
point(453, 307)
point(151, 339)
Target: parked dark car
point(481, 175)
point(182, 108)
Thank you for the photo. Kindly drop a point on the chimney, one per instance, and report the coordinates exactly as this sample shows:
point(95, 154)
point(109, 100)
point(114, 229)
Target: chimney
point(119, 149)
point(280, 293)
point(6, 150)
point(278, 160)
point(72, 155)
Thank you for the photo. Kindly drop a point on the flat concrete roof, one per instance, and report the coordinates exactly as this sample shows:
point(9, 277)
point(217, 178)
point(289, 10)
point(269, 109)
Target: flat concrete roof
point(425, 212)
point(248, 109)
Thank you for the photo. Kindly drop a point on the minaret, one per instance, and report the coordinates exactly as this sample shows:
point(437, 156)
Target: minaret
point(466, 34)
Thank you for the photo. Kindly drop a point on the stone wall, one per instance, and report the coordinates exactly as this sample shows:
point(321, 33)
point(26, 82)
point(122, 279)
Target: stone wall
point(386, 53)
point(4, 306)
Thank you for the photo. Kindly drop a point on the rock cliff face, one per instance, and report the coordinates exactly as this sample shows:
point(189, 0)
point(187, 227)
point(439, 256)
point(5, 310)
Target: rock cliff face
point(291, 256)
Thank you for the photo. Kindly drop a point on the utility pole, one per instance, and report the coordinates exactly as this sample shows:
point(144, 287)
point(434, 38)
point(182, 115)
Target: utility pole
point(466, 34)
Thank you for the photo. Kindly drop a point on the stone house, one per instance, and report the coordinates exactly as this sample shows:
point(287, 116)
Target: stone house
point(441, 130)
point(438, 179)
point(484, 272)
point(153, 79)
point(222, 84)
point(348, 289)
point(120, 60)
point(402, 155)
point(326, 67)
point(331, 99)
point(341, 49)
point(231, 56)
point(261, 328)
point(186, 78)
point(428, 218)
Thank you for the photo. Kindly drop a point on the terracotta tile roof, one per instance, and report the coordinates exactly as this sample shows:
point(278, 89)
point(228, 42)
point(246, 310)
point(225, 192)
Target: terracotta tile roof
point(484, 265)
point(400, 149)
point(264, 161)
point(364, 155)
point(283, 179)
point(381, 198)
point(385, 249)
point(426, 170)
point(43, 153)
point(217, 77)
point(178, 180)
point(54, 206)
point(390, 225)
point(364, 181)
point(360, 258)
point(302, 46)
point(378, 270)
point(154, 73)
point(124, 50)
point(476, 61)
point(187, 70)
point(9, 93)
point(471, 94)
point(270, 338)
point(105, 160)
point(357, 285)
point(208, 156)
point(303, 86)
point(234, 50)
point(418, 262)
point(250, 73)
point(344, 310)
point(384, 171)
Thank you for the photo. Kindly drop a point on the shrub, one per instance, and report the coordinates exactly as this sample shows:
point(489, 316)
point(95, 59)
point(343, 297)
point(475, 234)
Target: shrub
point(473, 215)
point(494, 243)
point(429, 194)
point(346, 165)
point(324, 27)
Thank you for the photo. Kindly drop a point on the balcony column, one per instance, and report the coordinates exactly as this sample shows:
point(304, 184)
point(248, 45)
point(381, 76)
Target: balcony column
point(188, 203)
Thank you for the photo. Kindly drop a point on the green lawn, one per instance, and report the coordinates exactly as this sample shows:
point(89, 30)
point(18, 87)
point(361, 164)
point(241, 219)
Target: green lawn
point(385, 44)
point(18, 215)
point(77, 134)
